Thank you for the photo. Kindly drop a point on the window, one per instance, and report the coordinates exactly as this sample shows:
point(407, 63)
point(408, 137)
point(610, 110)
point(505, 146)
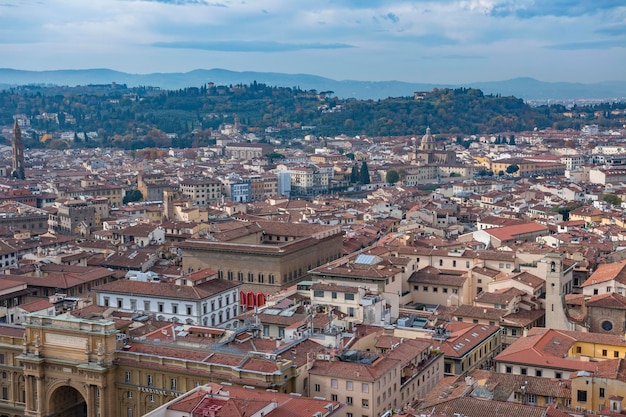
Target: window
point(579, 349)
point(349, 415)
point(173, 384)
point(454, 264)
point(189, 310)
point(558, 375)
point(348, 296)
point(161, 307)
point(524, 371)
point(501, 265)
point(333, 383)
point(2, 358)
point(604, 352)
point(150, 380)
point(435, 289)
point(440, 262)
point(365, 388)
point(151, 398)
point(513, 332)
point(129, 394)
point(349, 385)
point(425, 288)
point(349, 400)
point(365, 403)
point(146, 305)
point(601, 392)
point(5, 393)
point(333, 295)
point(532, 399)
point(120, 303)
point(509, 369)
point(467, 264)
point(333, 397)
point(174, 308)
point(538, 372)
point(581, 396)
point(106, 301)
point(318, 387)
point(129, 412)
point(607, 326)
point(444, 290)
point(615, 354)
point(351, 311)
point(127, 377)
point(318, 293)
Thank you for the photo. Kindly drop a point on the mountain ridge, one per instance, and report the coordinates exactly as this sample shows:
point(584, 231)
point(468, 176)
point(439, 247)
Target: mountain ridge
point(526, 88)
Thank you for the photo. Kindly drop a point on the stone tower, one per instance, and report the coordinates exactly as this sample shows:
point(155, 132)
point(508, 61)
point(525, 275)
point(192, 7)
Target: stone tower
point(556, 288)
point(18, 153)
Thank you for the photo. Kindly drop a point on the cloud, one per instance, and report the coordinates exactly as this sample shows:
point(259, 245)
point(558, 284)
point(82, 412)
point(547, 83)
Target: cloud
point(249, 46)
point(458, 57)
point(602, 44)
point(612, 31)
point(392, 17)
point(185, 2)
point(528, 9)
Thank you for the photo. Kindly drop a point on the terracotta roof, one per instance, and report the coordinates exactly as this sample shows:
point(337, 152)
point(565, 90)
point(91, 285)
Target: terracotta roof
point(512, 232)
point(169, 290)
point(610, 300)
point(607, 272)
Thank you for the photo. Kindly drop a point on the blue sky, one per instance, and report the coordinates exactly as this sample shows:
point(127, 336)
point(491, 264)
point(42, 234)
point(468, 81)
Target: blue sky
point(432, 41)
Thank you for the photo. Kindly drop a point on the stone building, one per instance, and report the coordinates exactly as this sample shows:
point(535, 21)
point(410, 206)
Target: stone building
point(265, 256)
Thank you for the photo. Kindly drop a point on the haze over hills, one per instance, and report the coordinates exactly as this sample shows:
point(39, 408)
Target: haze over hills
point(525, 88)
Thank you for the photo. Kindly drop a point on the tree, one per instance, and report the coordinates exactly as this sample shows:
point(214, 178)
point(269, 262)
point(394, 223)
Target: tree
point(512, 169)
point(132, 196)
point(354, 174)
point(512, 140)
point(612, 199)
point(364, 176)
point(392, 176)
point(272, 156)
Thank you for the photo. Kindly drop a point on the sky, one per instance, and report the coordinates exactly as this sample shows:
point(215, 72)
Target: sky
point(430, 41)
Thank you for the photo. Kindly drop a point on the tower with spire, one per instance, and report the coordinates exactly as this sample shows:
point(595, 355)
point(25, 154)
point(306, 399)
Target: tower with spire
point(18, 153)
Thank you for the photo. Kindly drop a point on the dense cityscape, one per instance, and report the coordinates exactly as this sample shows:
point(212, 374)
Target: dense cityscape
point(262, 274)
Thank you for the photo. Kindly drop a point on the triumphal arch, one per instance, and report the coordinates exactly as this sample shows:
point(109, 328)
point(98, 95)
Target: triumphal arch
point(68, 366)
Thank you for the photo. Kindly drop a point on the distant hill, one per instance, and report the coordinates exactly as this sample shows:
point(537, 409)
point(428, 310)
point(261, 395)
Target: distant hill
point(526, 88)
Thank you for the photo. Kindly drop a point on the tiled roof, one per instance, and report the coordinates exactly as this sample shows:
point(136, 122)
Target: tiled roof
point(607, 272)
point(610, 300)
point(512, 232)
point(475, 407)
point(169, 290)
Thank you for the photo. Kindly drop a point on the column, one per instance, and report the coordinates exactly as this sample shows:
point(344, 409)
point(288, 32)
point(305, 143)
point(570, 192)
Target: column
point(39, 399)
point(91, 401)
point(30, 395)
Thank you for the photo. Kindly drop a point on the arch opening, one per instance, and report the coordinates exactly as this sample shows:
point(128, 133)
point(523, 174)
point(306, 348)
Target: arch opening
point(67, 402)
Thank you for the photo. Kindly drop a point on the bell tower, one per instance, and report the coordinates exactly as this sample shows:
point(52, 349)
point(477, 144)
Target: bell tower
point(556, 288)
point(18, 153)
